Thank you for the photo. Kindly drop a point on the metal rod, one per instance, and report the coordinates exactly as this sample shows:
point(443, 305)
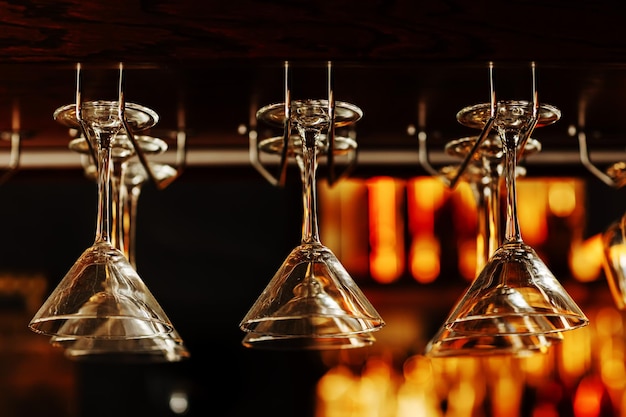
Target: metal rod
point(79, 114)
point(423, 153)
point(129, 132)
point(330, 156)
point(181, 136)
point(422, 138)
point(583, 151)
point(16, 143)
point(483, 134)
point(535, 114)
point(253, 144)
point(160, 184)
point(282, 176)
point(332, 176)
point(331, 137)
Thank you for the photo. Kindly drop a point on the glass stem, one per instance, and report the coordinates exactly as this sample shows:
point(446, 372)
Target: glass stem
point(308, 168)
point(510, 140)
point(130, 226)
point(117, 206)
point(487, 194)
point(103, 152)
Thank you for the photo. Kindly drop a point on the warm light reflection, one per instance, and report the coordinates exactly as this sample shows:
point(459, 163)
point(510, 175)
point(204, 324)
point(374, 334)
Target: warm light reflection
point(588, 397)
point(507, 386)
point(469, 240)
point(577, 349)
point(586, 372)
point(334, 393)
point(614, 266)
point(583, 376)
point(585, 259)
point(343, 212)
point(465, 216)
point(532, 210)
point(424, 196)
point(466, 392)
point(386, 227)
point(562, 198)
point(610, 349)
point(536, 368)
point(405, 226)
point(342, 393)
point(468, 258)
point(424, 258)
point(545, 410)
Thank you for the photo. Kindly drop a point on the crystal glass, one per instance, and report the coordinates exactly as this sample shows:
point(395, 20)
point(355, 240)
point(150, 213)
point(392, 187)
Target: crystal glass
point(613, 238)
point(484, 175)
point(128, 176)
point(614, 243)
point(515, 293)
point(614, 261)
point(311, 302)
point(102, 296)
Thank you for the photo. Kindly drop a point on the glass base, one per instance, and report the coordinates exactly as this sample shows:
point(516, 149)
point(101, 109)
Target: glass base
point(490, 149)
point(106, 113)
point(274, 114)
point(510, 113)
point(268, 342)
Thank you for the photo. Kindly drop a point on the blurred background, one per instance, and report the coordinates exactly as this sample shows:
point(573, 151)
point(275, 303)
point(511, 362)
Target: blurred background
point(209, 242)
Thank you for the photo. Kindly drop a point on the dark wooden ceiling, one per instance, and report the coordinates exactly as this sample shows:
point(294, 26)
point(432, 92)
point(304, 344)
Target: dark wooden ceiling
point(221, 61)
point(199, 32)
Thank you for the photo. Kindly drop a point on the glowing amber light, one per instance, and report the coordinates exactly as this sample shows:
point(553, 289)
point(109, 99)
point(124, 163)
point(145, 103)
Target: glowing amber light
point(576, 353)
point(507, 387)
point(386, 229)
point(585, 259)
point(465, 209)
point(588, 398)
point(468, 267)
point(384, 265)
point(424, 258)
point(343, 209)
point(532, 210)
point(562, 198)
point(614, 264)
point(424, 196)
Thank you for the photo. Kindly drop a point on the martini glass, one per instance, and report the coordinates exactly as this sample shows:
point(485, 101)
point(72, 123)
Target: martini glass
point(614, 262)
point(102, 296)
point(135, 176)
point(311, 302)
point(128, 176)
point(484, 175)
point(614, 240)
point(614, 237)
point(515, 292)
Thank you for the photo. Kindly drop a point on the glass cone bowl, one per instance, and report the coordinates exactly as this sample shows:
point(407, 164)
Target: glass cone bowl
point(515, 294)
point(107, 114)
point(311, 296)
point(101, 291)
point(614, 260)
